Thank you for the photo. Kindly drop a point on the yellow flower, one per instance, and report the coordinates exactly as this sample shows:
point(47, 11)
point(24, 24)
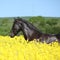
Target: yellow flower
point(17, 48)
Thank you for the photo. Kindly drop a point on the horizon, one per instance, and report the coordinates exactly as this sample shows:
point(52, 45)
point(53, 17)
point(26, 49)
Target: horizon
point(29, 16)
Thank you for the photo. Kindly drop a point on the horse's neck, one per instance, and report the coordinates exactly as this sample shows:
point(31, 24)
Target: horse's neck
point(27, 30)
point(30, 33)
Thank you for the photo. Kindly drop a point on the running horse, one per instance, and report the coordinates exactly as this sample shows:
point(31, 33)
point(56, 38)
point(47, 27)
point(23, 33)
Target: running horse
point(30, 32)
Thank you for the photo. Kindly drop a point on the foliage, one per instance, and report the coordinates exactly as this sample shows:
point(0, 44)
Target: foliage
point(44, 24)
point(5, 25)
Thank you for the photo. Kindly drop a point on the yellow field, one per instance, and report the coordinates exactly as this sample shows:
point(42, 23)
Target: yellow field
point(19, 49)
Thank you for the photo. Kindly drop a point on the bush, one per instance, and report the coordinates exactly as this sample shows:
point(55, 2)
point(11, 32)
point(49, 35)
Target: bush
point(47, 25)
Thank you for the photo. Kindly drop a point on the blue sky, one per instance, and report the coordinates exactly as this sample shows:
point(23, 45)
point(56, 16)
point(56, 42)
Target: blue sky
point(12, 8)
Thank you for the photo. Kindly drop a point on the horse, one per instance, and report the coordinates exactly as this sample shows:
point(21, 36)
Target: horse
point(31, 32)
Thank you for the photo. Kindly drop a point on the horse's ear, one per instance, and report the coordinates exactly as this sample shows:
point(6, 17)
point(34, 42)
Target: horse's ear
point(15, 19)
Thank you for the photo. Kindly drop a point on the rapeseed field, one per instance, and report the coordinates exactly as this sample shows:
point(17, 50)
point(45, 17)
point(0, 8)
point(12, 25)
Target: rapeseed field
point(18, 48)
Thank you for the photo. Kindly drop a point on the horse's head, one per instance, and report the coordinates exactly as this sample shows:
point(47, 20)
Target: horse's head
point(29, 31)
point(17, 27)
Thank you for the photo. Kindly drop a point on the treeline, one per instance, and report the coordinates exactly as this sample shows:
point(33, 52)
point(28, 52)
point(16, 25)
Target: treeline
point(45, 24)
point(5, 25)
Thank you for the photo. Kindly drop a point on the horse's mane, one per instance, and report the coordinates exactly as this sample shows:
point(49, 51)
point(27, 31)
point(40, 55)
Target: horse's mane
point(30, 25)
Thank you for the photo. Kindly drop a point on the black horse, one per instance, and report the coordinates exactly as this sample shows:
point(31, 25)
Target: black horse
point(30, 32)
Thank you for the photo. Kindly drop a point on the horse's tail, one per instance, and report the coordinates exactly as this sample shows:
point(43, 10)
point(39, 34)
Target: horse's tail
point(57, 36)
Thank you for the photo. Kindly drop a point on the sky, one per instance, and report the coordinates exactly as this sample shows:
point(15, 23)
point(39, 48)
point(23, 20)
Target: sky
point(14, 8)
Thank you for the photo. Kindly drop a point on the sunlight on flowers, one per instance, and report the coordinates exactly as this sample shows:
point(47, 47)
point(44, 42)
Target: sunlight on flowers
point(18, 48)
